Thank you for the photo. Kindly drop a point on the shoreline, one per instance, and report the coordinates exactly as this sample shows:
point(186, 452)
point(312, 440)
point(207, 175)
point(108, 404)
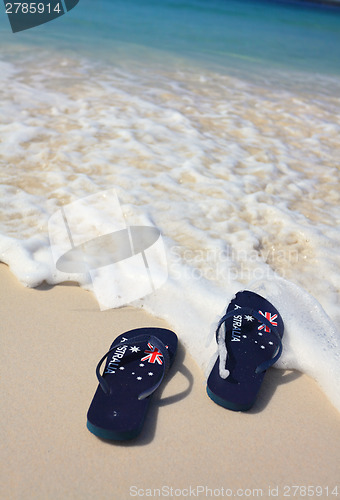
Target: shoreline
point(53, 338)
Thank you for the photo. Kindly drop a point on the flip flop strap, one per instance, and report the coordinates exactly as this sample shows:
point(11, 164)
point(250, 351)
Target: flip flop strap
point(248, 310)
point(156, 342)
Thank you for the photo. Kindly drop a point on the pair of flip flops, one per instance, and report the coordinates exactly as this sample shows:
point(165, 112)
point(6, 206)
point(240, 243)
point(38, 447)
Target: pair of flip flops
point(249, 337)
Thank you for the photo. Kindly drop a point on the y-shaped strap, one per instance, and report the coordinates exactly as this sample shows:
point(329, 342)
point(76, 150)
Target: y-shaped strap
point(247, 310)
point(158, 344)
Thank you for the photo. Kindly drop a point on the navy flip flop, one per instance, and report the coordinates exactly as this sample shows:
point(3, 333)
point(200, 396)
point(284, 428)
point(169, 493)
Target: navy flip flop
point(136, 365)
point(249, 343)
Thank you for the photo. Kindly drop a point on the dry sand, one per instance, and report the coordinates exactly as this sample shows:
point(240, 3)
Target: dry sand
point(52, 339)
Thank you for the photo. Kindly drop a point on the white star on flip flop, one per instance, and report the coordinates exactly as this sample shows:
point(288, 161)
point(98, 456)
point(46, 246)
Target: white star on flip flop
point(139, 378)
point(150, 374)
point(134, 348)
point(248, 317)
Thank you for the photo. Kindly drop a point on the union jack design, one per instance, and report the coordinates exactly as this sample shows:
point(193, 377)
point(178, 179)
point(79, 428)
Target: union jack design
point(271, 318)
point(153, 355)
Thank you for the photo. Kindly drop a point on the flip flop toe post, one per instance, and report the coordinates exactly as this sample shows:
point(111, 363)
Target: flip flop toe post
point(249, 338)
point(135, 367)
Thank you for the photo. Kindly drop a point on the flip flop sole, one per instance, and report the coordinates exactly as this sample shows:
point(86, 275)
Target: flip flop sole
point(112, 435)
point(230, 405)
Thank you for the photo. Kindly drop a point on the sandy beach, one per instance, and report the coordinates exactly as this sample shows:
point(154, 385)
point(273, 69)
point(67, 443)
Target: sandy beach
point(52, 338)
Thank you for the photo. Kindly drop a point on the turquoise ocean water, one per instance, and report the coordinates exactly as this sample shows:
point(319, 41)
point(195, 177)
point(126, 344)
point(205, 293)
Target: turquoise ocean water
point(222, 34)
point(216, 121)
